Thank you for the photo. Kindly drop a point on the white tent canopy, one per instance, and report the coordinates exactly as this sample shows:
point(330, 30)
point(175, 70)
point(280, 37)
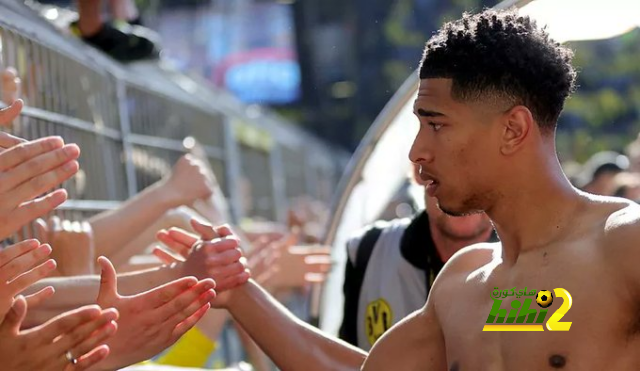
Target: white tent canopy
point(380, 164)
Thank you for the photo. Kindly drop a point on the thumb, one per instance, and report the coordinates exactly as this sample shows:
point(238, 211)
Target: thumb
point(8, 114)
point(205, 230)
point(108, 281)
point(15, 316)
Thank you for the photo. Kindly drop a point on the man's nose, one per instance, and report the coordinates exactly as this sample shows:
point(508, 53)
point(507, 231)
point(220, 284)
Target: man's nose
point(420, 152)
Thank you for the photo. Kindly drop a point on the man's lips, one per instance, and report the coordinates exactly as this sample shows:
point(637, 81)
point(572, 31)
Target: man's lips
point(426, 177)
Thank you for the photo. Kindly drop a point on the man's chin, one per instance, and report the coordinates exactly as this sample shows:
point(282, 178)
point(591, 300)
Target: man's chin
point(454, 211)
point(457, 209)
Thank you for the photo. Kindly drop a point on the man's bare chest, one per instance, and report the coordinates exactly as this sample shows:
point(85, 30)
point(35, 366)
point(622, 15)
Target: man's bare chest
point(571, 317)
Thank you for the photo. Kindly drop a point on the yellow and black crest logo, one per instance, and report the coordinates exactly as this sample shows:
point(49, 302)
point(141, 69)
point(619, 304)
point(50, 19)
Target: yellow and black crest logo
point(378, 319)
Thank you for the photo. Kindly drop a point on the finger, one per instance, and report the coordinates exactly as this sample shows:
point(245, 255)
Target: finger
point(13, 320)
point(13, 251)
point(34, 300)
point(41, 230)
point(223, 258)
point(203, 300)
point(232, 282)
point(54, 224)
point(67, 226)
point(28, 150)
point(315, 277)
point(108, 281)
point(224, 230)
point(163, 294)
point(221, 273)
point(164, 256)
point(313, 249)
point(75, 227)
point(85, 227)
point(205, 230)
point(97, 338)
point(31, 210)
point(221, 244)
point(24, 262)
point(320, 268)
point(7, 115)
point(188, 323)
point(90, 359)
point(41, 164)
point(34, 275)
point(7, 140)
point(65, 323)
point(181, 304)
point(85, 332)
point(322, 260)
point(42, 183)
point(174, 245)
point(182, 236)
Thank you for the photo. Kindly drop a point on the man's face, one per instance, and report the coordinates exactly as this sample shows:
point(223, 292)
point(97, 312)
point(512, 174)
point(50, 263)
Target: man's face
point(456, 149)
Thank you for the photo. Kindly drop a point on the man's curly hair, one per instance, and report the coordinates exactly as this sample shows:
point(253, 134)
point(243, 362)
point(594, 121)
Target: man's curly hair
point(503, 55)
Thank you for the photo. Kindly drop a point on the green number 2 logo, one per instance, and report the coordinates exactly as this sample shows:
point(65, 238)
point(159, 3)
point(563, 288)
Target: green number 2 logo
point(554, 324)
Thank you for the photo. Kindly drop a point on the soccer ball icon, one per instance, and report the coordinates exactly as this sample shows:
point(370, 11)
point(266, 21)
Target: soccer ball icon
point(544, 298)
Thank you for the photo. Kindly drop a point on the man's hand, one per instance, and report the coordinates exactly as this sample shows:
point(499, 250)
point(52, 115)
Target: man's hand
point(28, 170)
point(217, 256)
point(72, 245)
point(151, 321)
point(81, 333)
point(19, 269)
point(187, 182)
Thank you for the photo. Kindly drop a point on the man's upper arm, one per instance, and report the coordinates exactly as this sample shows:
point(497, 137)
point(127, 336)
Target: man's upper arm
point(623, 241)
point(415, 343)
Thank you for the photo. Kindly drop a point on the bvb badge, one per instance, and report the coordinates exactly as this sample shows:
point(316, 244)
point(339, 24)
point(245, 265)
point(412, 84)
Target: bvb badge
point(378, 319)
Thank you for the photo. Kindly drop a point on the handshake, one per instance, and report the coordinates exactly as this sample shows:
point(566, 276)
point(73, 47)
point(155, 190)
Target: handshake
point(121, 329)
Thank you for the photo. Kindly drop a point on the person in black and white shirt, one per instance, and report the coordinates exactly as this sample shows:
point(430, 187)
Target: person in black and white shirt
point(392, 265)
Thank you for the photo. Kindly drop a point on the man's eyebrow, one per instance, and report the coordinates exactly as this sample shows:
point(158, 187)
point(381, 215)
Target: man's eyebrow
point(425, 113)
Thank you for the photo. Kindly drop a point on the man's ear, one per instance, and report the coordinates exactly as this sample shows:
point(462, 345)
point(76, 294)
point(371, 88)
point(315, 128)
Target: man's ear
point(517, 126)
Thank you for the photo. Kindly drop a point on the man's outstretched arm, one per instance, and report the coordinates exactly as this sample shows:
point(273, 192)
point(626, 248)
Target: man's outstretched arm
point(74, 292)
point(291, 343)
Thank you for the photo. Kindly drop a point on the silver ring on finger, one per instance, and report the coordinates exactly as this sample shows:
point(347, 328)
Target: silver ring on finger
point(70, 357)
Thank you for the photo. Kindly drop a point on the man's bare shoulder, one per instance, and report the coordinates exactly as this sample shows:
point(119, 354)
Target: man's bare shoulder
point(473, 257)
point(468, 260)
point(621, 235)
point(622, 227)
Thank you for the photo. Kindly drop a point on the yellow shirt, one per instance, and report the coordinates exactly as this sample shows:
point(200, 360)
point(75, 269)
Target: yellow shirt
point(192, 350)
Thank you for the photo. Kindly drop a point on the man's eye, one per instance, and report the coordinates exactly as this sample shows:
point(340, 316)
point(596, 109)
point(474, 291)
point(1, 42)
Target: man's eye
point(435, 126)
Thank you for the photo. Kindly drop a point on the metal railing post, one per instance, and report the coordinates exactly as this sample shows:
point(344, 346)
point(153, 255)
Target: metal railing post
point(125, 130)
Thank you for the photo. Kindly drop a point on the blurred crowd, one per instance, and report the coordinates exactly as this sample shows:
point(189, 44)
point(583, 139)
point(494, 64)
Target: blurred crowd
point(609, 173)
point(156, 251)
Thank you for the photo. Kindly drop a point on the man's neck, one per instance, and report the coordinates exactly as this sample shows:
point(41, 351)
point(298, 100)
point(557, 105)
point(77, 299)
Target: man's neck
point(447, 246)
point(534, 212)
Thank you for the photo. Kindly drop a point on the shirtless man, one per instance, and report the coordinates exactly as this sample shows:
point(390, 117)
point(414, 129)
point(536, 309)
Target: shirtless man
point(492, 87)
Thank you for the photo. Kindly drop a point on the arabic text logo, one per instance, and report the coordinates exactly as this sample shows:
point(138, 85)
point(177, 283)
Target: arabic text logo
point(521, 317)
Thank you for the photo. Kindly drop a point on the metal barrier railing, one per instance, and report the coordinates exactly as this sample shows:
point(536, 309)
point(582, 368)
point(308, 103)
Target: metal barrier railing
point(130, 123)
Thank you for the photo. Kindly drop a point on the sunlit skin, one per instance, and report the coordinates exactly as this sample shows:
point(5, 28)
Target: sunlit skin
point(496, 159)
